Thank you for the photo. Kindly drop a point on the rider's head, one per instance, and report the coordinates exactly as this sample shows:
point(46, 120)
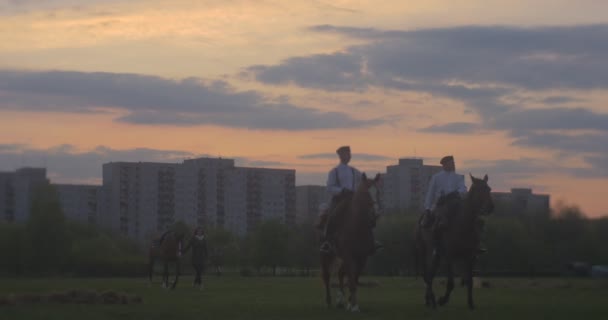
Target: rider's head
point(447, 163)
point(344, 154)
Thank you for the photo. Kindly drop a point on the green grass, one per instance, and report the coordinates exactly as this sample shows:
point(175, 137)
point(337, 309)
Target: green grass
point(234, 297)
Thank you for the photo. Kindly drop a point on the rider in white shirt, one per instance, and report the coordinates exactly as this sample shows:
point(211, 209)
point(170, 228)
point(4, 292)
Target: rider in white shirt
point(342, 181)
point(446, 190)
point(343, 178)
point(446, 183)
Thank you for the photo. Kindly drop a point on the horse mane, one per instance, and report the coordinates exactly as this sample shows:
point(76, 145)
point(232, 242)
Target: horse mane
point(356, 221)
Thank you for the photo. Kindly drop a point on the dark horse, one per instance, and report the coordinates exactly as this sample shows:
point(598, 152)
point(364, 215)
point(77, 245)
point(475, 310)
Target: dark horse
point(169, 250)
point(458, 242)
point(354, 242)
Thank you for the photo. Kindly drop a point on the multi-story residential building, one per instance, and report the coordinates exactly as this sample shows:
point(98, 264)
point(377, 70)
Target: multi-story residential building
point(405, 184)
point(79, 202)
point(138, 198)
point(141, 200)
point(200, 190)
point(521, 201)
point(308, 200)
point(17, 191)
point(256, 194)
point(7, 196)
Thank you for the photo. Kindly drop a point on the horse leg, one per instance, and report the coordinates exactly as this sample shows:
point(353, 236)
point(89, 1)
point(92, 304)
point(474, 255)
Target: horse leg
point(150, 269)
point(177, 271)
point(325, 273)
point(358, 267)
point(352, 285)
point(197, 277)
point(429, 276)
point(469, 281)
point(450, 285)
point(340, 296)
point(165, 283)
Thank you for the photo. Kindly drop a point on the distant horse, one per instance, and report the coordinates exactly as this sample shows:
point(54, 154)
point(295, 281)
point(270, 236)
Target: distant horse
point(354, 242)
point(459, 241)
point(169, 250)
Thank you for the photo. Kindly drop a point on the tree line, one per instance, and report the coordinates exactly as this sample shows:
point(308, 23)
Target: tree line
point(524, 244)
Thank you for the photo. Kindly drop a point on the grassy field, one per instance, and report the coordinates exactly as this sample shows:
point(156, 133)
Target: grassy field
point(234, 297)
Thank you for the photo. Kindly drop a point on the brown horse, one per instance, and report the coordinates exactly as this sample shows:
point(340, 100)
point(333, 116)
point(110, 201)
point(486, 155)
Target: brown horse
point(354, 242)
point(459, 242)
point(169, 250)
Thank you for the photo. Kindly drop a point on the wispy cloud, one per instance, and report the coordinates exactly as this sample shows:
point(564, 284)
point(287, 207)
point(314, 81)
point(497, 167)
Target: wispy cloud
point(68, 164)
point(358, 156)
point(485, 67)
point(152, 100)
point(453, 128)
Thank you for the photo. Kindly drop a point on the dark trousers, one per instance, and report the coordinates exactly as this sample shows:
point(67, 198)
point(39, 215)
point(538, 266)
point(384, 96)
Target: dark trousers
point(199, 269)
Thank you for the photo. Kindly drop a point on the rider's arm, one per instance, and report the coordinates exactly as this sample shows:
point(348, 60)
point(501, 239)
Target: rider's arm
point(462, 188)
point(332, 183)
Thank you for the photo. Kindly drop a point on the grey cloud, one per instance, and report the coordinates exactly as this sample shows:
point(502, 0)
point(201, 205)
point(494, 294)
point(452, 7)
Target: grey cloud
point(11, 7)
point(68, 164)
point(555, 118)
point(16, 147)
point(454, 127)
point(507, 173)
point(483, 66)
point(531, 58)
point(522, 167)
point(574, 144)
point(154, 100)
point(260, 163)
point(357, 156)
point(560, 100)
point(599, 164)
point(340, 72)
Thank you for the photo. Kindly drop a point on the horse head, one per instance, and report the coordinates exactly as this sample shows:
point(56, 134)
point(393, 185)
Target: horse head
point(480, 195)
point(366, 200)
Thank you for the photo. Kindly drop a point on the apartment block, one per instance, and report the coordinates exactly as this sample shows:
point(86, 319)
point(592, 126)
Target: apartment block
point(308, 200)
point(79, 202)
point(520, 201)
point(405, 184)
point(138, 198)
point(141, 200)
point(17, 192)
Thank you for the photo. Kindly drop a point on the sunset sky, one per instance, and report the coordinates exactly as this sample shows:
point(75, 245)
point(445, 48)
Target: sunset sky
point(515, 89)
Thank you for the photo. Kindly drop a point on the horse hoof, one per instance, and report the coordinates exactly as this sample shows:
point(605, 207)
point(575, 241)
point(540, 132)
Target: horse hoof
point(442, 301)
point(355, 308)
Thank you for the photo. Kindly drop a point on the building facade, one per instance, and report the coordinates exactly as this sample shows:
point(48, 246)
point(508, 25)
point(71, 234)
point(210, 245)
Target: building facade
point(405, 184)
point(308, 200)
point(141, 200)
point(521, 201)
point(79, 202)
point(17, 191)
point(138, 198)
